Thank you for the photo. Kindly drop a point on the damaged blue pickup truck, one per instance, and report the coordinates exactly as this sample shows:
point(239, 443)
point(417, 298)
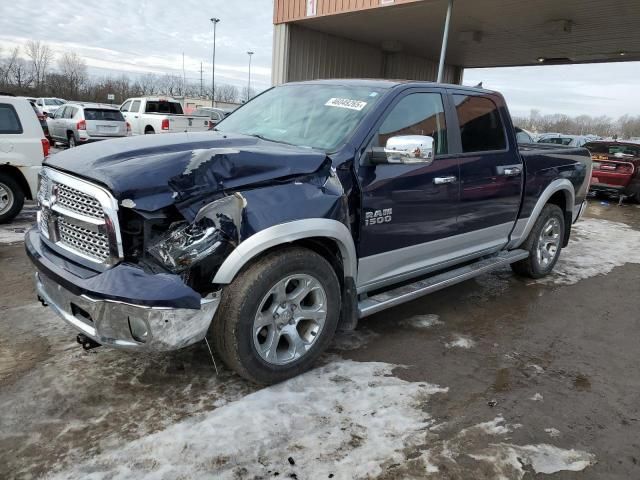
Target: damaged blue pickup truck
point(312, 206)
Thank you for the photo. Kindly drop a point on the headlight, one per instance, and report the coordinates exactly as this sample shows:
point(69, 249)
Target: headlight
point(187, 244)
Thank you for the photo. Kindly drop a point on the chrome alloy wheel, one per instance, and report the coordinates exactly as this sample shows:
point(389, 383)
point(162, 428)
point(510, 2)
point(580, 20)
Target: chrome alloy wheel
point(548, 242)
point(6, 199)
point(289, 319)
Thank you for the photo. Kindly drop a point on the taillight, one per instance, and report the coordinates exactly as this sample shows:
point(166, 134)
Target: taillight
point(211, 125)
point(165, 124)
point(82, 125)
point(626, 168)
point(45, 146)
point(128, 129)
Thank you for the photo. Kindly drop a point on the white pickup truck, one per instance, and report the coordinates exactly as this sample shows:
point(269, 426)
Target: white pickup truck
point(23, 147)
point(148, 115)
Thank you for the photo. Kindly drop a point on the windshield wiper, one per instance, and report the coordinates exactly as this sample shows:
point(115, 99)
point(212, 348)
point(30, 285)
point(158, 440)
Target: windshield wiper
point(262, 137)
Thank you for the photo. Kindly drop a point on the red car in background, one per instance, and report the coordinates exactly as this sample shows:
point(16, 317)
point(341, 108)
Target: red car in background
point(616, 168)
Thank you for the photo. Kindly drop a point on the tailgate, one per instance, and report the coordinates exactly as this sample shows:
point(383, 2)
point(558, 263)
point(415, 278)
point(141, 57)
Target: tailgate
point(105, 128)
point(188, 123)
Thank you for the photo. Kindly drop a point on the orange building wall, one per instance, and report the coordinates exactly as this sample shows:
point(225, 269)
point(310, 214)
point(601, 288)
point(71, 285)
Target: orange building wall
point(290, 10)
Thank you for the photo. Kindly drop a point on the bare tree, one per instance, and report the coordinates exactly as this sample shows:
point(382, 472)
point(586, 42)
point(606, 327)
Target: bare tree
point(41, 57)
point(247, 94)
point(227, 93)
point(149, 84)
point(74, 69)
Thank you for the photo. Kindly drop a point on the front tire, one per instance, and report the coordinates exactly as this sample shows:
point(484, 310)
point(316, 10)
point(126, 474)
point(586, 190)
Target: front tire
point(11, 198)
point(544, 244)
point(277, 316)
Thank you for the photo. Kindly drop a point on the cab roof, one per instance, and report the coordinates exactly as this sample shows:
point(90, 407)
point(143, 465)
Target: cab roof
point(389, 84)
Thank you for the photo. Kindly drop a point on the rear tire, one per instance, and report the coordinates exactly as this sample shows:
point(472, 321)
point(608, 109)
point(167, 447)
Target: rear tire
point(277, 316)
point(544, 244)
point(149, 131)
point(11, 198)
point(71, 140)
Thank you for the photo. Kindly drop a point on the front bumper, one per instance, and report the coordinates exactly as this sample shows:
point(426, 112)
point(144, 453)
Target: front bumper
point(116, 322)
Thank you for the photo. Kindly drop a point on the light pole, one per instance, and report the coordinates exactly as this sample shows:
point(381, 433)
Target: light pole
point(249, 86)
point(215, 22)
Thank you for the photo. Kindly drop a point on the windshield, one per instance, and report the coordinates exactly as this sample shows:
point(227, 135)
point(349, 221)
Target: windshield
point(103, 114)
point(53, 101)
point(316, 116)
point(613, 149)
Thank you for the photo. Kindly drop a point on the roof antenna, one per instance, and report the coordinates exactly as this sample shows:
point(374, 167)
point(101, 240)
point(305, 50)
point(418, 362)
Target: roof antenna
point(479, 85)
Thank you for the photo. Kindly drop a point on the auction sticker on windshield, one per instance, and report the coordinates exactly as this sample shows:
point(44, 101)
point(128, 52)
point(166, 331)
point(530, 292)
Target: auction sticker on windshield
point(346, 103)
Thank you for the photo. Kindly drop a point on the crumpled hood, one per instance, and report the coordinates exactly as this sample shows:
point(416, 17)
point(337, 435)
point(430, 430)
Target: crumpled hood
point(154, 171)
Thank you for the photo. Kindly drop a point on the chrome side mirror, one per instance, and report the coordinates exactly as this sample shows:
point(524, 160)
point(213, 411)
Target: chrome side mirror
point(407, 149)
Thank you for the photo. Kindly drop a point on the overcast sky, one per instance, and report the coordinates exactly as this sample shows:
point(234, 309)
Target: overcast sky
point(150, 36)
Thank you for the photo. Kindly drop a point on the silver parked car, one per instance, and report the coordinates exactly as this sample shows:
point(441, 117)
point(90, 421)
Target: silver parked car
point(215, 115)
point(78, 123)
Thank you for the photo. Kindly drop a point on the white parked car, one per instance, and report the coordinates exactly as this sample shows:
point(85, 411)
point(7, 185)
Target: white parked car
point(148, 115)
point(23, 147)
point(49, 105)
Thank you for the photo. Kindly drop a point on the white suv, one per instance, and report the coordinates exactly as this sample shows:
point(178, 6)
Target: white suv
point(23, 147)
point(49, 105)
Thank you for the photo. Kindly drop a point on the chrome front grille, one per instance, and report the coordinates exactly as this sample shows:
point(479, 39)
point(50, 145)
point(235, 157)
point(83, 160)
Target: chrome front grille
point(79, 217)
point(90, 242)
point(77, 202)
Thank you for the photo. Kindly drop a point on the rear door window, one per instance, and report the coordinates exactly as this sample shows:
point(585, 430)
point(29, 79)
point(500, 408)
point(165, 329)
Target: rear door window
point(69, 112)
point(9, 121)
point(169, 108)
point(135, 107)
point(103, 114)
point(481, 127)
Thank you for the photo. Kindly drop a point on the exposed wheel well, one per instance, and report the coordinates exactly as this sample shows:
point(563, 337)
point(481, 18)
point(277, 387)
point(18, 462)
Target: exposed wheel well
point(16, 174)
point(325, 247)
point(562, 199)
point(149, 128)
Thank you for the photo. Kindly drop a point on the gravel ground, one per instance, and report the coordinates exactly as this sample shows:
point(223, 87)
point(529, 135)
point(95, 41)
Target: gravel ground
point(497, 377)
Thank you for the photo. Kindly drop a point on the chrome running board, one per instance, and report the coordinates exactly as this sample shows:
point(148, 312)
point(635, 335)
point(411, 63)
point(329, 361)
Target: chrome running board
point(406, 293)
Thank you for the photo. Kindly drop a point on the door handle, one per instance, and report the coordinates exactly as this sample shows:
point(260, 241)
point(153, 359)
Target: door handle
point(445, 180)
point(512, 172)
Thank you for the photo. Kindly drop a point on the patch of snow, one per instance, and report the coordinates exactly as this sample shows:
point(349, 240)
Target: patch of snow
point(496, 426)
point(345, 418)
point(14, 231)
point(422, 321)
point(508, 459)
point(537, 397)
point(460, 341)
point(503, 460)
point(596, 248)
point(553, 432)
point(537, 368)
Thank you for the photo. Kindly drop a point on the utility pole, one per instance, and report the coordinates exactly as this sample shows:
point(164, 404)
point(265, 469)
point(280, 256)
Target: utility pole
point(249, 86)
point(184, 78)
point(200, 79)
point(445, 41)
point(215, 22)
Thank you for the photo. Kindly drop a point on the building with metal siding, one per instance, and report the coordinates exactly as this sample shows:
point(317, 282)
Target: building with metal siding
point(403, 38)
